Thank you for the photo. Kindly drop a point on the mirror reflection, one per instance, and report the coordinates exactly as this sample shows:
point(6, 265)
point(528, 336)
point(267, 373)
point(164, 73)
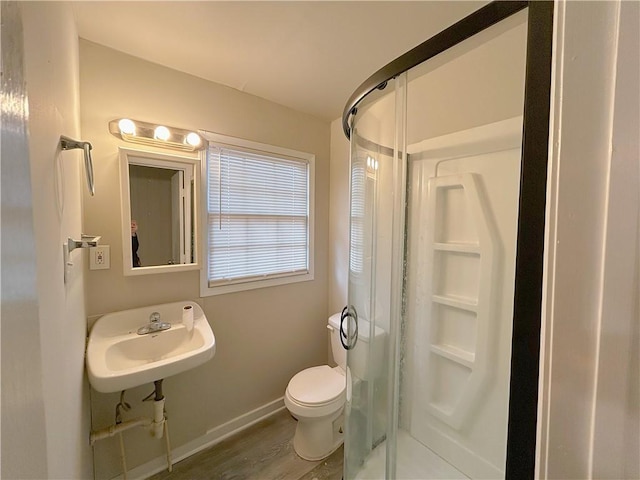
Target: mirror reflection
point(158, 205)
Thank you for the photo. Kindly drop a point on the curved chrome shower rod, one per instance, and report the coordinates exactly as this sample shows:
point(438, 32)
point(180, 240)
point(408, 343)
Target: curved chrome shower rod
point(67, 143)
point(474, 23)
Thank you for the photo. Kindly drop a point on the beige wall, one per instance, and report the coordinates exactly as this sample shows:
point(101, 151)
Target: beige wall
point(338, 218)
point(53, 208)
point(263, 336)
point(477, 82)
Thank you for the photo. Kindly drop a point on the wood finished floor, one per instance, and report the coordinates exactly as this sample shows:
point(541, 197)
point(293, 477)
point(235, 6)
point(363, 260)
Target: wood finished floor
point(262, 452)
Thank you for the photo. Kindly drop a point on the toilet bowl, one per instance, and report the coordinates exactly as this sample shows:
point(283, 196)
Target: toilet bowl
point(315, 397)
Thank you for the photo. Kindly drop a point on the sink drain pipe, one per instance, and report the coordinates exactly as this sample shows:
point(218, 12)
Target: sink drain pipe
point(112, 430)
point(158, 409)
point(158, 424)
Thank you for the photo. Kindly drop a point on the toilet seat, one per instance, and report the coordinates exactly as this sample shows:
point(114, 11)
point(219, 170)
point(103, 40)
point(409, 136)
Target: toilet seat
point(317, 386)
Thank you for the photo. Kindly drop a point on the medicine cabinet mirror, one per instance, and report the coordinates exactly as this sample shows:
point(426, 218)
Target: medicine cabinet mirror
point(158, 194)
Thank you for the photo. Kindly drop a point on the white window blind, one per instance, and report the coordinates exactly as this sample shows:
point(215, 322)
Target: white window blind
point(258, 215)
point(356, 250)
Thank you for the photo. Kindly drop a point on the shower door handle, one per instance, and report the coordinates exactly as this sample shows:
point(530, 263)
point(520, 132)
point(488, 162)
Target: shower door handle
point(348, 341)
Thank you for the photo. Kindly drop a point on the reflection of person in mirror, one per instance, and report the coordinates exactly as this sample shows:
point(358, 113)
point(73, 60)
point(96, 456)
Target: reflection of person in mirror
point(135, 244)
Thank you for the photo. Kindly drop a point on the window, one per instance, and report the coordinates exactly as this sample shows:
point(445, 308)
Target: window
point(259, 215)
point(356, 250)
point(363, 204)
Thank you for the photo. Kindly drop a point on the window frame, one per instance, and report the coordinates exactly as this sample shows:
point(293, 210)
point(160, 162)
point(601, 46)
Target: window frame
point(239, 285)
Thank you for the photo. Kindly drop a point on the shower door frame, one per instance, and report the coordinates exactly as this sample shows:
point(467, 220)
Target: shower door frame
point(527, 315)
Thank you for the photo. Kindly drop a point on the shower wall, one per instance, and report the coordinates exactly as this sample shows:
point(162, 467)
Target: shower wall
point(461, 241)
point(464, 146)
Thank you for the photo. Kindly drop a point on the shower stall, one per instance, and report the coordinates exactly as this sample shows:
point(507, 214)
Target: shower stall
point(448, 169)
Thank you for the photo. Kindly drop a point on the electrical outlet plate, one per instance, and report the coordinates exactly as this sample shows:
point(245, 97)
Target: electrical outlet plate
point(99, 258)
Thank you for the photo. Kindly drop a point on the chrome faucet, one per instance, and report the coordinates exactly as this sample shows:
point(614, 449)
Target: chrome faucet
point(154, 325)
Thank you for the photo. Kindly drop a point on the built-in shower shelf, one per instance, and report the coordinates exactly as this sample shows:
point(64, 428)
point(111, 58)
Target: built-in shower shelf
point(457, 302)
point(471, 248)
point(454, 354)
point(440, 410)
point(460, 254)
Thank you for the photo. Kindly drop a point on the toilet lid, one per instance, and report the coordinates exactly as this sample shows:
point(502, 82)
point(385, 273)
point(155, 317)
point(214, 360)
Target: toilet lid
point(317, 385)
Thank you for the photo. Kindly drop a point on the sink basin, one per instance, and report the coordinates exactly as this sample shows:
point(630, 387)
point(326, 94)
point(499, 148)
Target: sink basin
point(118, 358)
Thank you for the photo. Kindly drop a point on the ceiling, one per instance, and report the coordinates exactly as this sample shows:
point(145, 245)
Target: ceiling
point(309, 56)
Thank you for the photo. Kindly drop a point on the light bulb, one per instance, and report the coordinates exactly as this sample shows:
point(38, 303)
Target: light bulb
point(161, 133)
point(193, 139)
point(127, 127)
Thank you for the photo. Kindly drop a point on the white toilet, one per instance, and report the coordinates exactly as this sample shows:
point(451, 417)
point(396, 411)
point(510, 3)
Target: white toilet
point(316, 397)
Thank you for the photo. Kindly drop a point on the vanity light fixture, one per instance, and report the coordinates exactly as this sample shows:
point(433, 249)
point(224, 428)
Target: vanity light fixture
point(161, 133)
point(127, 126)
point(155, 135)
point(194, 139)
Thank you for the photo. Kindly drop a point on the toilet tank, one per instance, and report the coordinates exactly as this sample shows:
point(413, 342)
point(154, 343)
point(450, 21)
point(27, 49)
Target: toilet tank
point(367, 357)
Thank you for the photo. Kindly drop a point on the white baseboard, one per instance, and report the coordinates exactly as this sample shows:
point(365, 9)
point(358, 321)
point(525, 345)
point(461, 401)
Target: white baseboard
point(213, 436)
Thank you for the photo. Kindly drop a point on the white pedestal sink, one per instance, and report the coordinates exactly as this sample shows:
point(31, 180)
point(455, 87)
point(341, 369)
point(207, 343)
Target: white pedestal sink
point(118, 358)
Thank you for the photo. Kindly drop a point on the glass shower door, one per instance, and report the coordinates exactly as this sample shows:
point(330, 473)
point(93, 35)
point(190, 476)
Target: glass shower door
point(435, 172)
point(369, 288)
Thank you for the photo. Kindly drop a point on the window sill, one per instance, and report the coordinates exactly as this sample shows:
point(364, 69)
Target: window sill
point(207, 291)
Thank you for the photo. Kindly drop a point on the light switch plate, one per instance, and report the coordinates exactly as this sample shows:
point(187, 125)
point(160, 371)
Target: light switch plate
point(99, 258)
